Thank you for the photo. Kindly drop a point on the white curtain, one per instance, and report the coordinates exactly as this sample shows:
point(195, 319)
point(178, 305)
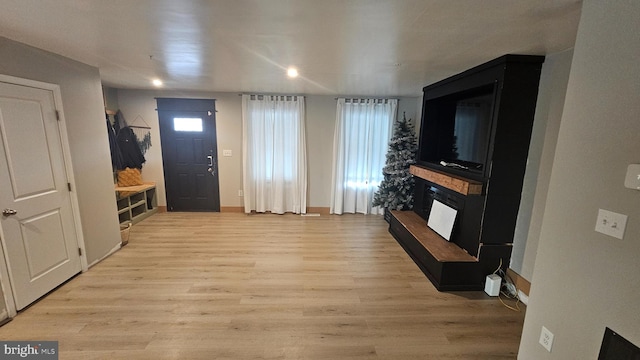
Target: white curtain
point(360, 143)
point(274, 154)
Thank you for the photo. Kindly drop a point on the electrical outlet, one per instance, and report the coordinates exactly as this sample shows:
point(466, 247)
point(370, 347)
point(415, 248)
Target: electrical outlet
point(546, 338)
point(610, 223)
point(240, 193)
point(632, 180)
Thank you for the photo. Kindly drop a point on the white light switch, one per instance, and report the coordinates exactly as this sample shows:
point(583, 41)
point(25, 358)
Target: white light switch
point(227, 153)
point(610, 223)
point(632, 180)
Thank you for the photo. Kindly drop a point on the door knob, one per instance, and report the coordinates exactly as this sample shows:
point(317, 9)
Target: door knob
point(8, 212)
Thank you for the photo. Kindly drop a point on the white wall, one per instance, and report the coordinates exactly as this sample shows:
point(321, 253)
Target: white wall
point(544, 135)
point(320, 122)
point(584, 281)
point(320, 125)
point(110, 98)
point(84, 115)
point(3, 306)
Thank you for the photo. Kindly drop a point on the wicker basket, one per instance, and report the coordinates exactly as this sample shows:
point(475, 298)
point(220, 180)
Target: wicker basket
point(124, 233)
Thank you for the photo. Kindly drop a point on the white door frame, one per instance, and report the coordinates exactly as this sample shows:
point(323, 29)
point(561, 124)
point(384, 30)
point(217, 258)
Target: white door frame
point(75, 207)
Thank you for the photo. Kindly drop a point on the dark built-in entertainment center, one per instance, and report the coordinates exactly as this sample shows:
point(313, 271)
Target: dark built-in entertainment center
point(473, 146)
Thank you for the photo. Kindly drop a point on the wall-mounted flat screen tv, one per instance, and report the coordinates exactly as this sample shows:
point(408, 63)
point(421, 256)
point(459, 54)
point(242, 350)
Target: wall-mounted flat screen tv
point(456, 130)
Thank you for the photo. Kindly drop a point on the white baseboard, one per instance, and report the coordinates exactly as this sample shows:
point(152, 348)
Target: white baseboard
point(523, 297)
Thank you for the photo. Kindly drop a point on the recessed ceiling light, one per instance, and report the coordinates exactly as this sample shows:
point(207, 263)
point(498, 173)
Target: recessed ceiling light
point(156, 82)
point(292, 72)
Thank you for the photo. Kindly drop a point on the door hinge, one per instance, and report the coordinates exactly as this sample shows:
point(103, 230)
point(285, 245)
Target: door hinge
point(69, 186)
point(57, 115)
point(80, 251)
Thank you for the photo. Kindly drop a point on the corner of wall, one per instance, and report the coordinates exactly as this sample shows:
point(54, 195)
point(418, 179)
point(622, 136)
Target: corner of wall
point(549, 108)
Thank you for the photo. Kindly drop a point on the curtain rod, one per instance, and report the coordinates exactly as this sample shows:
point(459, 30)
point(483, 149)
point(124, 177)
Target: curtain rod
point(365, 98)
point(270, 94)
point(336, 98)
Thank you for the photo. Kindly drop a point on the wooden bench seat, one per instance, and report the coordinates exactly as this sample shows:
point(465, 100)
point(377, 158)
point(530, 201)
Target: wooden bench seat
point(441, 249)
point(448, 266)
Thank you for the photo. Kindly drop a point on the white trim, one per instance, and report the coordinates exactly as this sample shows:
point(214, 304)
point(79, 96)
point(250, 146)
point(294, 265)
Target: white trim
point(523, 297)
point(66, 152)
point(5, 282)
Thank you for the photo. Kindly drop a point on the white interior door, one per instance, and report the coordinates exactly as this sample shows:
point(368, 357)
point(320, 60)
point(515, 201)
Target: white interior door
point(37, 223)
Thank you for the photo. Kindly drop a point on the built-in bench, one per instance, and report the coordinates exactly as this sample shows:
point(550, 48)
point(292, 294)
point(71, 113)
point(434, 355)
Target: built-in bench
point(136, 203)
point(440, 249)
point(447, 265)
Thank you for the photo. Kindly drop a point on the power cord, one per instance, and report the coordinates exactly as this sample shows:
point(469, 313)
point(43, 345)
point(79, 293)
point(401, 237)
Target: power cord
point(508, 289)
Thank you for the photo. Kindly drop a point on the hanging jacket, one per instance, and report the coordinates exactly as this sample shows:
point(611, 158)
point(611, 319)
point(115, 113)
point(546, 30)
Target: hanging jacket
point(131, 155)
point(116, 156)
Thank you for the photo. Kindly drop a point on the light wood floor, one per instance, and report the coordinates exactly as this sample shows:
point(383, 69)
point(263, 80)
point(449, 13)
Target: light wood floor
point(232, 286)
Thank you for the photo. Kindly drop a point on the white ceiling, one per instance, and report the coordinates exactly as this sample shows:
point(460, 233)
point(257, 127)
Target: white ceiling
point(341, 47)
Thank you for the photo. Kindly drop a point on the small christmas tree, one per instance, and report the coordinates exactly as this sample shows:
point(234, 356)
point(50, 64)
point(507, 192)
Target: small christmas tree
point(396, 189)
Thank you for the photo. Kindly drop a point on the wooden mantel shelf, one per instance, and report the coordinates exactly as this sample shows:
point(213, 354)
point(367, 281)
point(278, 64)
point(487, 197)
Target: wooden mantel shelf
point(457, 184)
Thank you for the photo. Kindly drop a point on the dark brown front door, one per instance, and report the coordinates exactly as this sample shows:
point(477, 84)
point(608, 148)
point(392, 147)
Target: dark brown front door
point(189, 154)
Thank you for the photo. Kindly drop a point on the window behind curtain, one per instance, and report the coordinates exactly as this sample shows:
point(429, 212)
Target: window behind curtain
point(274, 154)
point(361, 139)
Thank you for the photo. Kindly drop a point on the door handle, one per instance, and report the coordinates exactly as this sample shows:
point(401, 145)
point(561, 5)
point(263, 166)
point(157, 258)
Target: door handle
point(9, 212)
point(210, 157)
